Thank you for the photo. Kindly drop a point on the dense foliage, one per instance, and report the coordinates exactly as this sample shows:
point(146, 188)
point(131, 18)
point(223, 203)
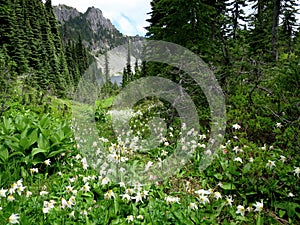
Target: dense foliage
point(31, 48)
point(256, 62)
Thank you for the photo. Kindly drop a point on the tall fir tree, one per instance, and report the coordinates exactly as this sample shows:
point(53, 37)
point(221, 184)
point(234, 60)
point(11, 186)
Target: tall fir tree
point(7, 20)
point(288, 26)
point(260, 37)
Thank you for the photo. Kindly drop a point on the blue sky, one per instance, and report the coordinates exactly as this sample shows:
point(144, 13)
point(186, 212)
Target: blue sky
point(129, 16)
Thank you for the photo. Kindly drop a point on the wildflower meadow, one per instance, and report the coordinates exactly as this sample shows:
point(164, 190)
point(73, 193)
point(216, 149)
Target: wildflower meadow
point(45, 179)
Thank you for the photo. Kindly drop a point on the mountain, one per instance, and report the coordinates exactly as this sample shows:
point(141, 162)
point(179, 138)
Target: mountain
point(97, 32)
point(98, 35)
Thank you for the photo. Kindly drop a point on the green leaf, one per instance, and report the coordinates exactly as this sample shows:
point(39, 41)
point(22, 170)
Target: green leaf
point(37, 151)
point(54, 153)
point(281, 213)
point(54, 139)
point(43, 142)
point(291, 208)
point(16, 153)
point(26, 159)
point(13, 144)
point(36, 161)
point(7, 126)
point(89, 195)
point(228, 186)
point(181, 218)
point(117, 221)
point(3, 154)
point(259, 220)
point(24, 173)
point(116, 206)
point(45, 121)
point(247, 168)
point(20, 123)
point(29, 139)
point(233, 170)
point(218, 176)
point(224, 164)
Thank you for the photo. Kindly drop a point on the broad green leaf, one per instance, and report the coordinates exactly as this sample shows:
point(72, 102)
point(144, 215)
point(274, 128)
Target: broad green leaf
point(29, 140)
point(118, 221)
point(54, 139)
point(45, 132)
point(43, 142)
point(3, 154)
point(15, 138)
point(7, 125)
point(25, 132)
point(45, 121)
point(20, 123)
point(61, 135)
point(13, 145)
point(36, 161)
point(68, 132)
point(26, 159)
point(89, 195)
point(16, 153)
point(37, 151)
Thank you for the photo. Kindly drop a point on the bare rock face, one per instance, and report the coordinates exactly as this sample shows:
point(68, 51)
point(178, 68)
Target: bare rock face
point(64, 13)
point(97, 32)
point(97, 21)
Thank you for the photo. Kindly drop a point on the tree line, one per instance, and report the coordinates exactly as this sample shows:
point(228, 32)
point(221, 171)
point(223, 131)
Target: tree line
point(32, 51)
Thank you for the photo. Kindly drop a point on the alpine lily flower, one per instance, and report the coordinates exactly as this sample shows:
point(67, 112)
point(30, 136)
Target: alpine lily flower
point(258, 206)
point(240, 210)
point(14, 218)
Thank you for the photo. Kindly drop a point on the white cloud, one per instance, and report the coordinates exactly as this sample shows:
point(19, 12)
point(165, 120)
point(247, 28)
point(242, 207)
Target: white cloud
point(128, 16)
point(125, 24)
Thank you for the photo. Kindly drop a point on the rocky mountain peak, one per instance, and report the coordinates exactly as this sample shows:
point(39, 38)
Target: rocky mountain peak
point(97, 32)
point(64, 13)
point(96, 19)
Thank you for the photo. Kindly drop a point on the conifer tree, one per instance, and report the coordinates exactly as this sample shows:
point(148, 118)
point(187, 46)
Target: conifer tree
point(71, 63)
point(33, 48)
point(6, 18)
point(81, 56)
point(7, 79)
point(237, 16)
point(137, 72)
point(53, 25)
point(18, 38)
point(127, 72)
point(106, 68)
point(288, 29)
point(261, 26)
